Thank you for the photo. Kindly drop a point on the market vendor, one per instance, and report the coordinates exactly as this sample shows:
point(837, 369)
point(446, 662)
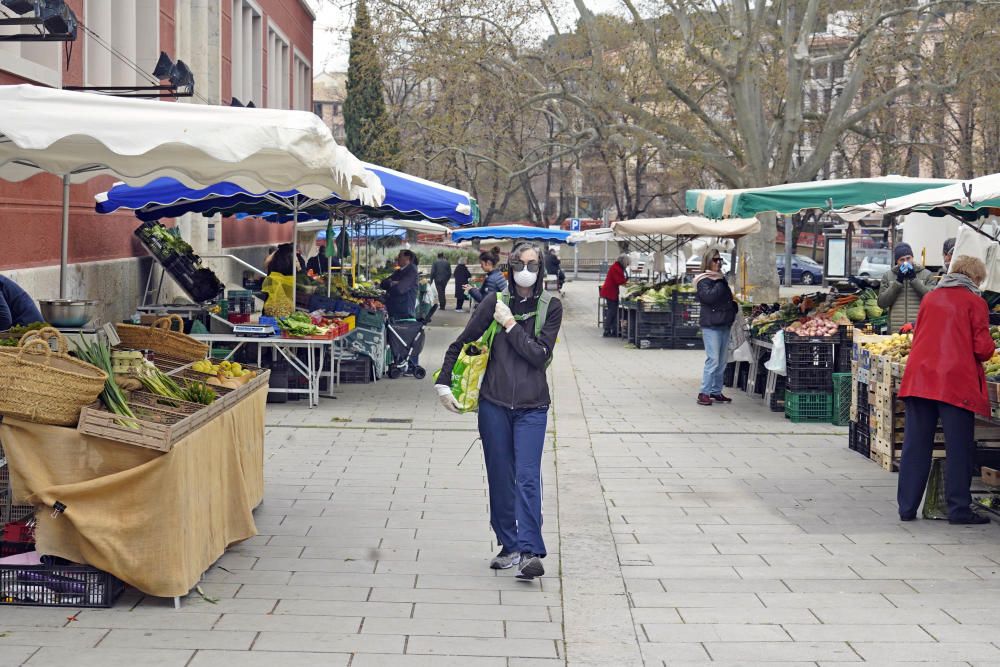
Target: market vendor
point(402, 285)
point(903, 287)
point(319, 263)
point(944, 380)
point(280, 261)
point(947, 250)
point(617, 276)
point(17, 308)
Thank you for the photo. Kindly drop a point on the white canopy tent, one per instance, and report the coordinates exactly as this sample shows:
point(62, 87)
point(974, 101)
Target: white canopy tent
point(79, 136)
point(963, 196)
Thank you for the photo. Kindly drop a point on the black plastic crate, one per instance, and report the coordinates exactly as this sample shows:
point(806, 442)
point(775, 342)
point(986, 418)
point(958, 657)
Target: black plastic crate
point(356, 371)
point(689, 344)
point(743, 377)
point(58, 586)
point(15, 548)
point(654, 331)
point(729, 375)
point(803, 352)
point(777, 402)
point(654, 343)
point(686, 308)
point(687, 331)
point(809, 379)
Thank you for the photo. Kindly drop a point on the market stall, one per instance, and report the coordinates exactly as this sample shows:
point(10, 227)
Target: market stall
point(143, 459)
point(664, 314)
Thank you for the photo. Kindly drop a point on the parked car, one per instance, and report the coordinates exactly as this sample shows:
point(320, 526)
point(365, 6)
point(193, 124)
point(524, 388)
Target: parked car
point(805, 270)
point(875, 264)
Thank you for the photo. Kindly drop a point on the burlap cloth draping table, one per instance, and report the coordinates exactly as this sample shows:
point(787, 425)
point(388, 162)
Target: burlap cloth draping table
point(154, 520)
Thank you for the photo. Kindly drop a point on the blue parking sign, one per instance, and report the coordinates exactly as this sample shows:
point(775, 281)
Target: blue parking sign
point(574, 224)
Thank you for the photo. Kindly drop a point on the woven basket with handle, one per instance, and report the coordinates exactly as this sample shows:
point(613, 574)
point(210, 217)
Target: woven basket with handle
point(161, 339)
point(46, 387)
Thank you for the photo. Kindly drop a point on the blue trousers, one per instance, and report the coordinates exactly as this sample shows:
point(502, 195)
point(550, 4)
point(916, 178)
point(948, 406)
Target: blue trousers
point(512, 443)
point(918, 446)
point(716, 348)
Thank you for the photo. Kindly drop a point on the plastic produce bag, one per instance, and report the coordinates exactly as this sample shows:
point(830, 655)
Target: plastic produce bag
point(469, 369)
point(935, 503)
point(280, 290)
point(776, 363)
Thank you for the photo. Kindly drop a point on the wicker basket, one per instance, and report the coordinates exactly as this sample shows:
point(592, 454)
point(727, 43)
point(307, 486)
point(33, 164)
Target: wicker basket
point(43, 387)
point(162, 340)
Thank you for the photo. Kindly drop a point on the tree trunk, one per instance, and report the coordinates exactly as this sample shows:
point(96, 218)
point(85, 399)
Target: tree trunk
point(762, 277)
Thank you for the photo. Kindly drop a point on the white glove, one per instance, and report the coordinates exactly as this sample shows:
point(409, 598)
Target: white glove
point(447, 399)
point(503, 315)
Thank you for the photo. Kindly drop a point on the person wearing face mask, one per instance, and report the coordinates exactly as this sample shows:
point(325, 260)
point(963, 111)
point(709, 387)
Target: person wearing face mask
point(903, 287)
point(494, 281)
point(513, 406)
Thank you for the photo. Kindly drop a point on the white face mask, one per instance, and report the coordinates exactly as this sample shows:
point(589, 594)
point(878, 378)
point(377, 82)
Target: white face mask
point(525, 277)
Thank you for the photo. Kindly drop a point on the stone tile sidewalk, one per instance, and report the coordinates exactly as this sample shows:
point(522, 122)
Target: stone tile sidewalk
point(677, 534)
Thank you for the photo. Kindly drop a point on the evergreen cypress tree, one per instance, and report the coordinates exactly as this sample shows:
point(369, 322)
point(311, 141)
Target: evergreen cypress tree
point(371, 134)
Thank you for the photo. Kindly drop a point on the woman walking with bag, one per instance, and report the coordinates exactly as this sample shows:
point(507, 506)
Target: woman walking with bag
point(718, 312)
point(513, 406)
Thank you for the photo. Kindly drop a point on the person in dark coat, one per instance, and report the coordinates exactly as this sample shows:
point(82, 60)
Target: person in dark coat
point(903, 287)
point(17, 308)
point(944, 380)
point(494, 281)
point(553, 266)
point(616, 277)
point(461, 277)
point(440, 275)
point(718, 312)
point(320, 264)
point(402, 285)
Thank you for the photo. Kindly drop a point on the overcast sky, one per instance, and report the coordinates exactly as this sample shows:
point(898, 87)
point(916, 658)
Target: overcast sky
point(333, 30)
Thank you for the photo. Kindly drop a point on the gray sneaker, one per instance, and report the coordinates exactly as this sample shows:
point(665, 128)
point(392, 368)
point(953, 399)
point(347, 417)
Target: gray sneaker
point(505, 560)
point(531, 567)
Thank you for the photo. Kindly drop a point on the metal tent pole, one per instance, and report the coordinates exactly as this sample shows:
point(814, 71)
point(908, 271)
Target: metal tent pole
point(64, 247)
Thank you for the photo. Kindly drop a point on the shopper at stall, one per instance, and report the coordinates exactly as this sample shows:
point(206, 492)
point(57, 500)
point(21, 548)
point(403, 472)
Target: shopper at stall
point(494, 281)
point(944, 380)
point(513, 406)
point(718, 312)
point(319, 263)
point(461, 277)
point(440, 275)
point(903, 287)
point(17, 308)
point(947, 250)
point(401, 287)
point(617, 276)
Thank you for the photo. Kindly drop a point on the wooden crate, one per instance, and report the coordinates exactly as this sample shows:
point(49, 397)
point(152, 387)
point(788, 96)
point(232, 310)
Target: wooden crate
point(161, 422)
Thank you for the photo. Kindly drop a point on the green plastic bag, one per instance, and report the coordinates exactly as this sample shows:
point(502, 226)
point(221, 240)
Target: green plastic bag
point(469, 369)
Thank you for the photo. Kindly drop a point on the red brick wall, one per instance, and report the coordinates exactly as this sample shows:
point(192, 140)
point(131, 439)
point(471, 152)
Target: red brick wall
point(30, 217)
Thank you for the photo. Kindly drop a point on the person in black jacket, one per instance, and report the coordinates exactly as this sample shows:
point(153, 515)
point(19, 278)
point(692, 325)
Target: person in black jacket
point(553, 266)
point(513, 407)
point(461, 277)
point(440, 275)
point(494, 281)
point(402, 285)
point(718, 312)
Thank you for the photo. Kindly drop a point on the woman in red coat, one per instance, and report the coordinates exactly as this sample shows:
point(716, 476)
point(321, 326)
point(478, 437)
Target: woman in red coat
point(609, 291)
point(944, 379)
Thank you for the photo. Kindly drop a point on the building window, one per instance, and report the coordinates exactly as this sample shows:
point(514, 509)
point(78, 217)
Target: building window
point(35, 61)
point(247, 53)
point(278, 74)
point(122, 42)
point(302, 88)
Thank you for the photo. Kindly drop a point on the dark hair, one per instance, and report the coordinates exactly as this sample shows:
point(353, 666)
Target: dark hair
point(410, 255)
point(281, 260)
point(440, 255)
point(490, 256)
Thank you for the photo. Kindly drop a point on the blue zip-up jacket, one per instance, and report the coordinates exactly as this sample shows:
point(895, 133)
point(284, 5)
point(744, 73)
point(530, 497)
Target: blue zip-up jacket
point(17, 308)
point(494, 284)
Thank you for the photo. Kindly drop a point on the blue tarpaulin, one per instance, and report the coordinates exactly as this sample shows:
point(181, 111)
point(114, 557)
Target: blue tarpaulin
point(512, 232)
point(407, 197)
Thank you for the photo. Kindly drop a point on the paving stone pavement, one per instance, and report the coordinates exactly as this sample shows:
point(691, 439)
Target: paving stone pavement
point(677, 534)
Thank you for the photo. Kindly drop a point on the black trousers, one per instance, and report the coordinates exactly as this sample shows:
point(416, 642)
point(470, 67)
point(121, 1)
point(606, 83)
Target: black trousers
point(918, 446)
point(460, 296)
point(610, 317)
point(442, 294)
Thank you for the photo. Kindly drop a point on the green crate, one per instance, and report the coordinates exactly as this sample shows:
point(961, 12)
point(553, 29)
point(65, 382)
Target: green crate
point(371, 319)
point(841, 414)
point(808, 407)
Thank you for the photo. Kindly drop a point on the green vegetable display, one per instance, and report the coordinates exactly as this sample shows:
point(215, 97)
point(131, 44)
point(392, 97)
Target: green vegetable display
point(299, 324)
point(157, 383)
point(98, 354)
point(12, 336)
